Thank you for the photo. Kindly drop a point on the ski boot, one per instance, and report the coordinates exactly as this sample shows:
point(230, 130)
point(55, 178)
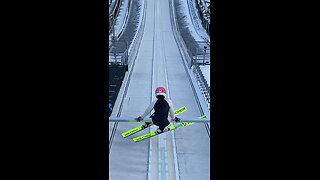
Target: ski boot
point(147, 124)
point(164, 130)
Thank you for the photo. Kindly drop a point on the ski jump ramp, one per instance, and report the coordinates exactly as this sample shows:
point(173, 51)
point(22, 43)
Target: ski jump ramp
point(183, 154)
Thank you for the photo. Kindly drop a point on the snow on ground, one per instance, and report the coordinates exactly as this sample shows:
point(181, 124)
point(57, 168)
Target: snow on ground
point(184, 9)
point(208, 3)
point(195, 28)
point(140, 15)
point(121, 19)
point(196, 33)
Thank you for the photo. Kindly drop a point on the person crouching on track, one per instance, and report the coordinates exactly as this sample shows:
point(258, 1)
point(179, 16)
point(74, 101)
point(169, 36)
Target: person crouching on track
point(162, 108)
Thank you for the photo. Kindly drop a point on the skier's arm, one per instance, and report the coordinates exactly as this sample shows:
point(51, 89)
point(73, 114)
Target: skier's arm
point(148, 110)
point(171, 110)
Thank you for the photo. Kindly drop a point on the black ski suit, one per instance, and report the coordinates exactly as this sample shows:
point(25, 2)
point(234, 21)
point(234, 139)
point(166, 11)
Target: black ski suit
point(162, 108)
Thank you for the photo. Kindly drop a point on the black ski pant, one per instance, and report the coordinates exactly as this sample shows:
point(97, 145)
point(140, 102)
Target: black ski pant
point(162, 123)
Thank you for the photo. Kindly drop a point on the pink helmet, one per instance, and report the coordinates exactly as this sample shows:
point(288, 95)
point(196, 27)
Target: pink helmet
point(161, 91)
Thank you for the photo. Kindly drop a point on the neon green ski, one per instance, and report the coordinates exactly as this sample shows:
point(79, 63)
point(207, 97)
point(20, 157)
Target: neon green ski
point(140, 128)
point(171, 128)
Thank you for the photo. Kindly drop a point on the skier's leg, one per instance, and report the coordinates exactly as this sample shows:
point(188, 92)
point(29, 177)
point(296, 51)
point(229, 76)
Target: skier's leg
point(163, 127)
point(147, 124)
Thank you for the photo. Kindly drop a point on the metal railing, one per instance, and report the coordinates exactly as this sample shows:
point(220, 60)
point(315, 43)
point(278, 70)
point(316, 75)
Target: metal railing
point(183, 119)
point(118, 57)
point(201, 54)
point(202, 82)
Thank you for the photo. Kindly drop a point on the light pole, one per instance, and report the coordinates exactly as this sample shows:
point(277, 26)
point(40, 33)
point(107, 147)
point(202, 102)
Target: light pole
point(204, 54)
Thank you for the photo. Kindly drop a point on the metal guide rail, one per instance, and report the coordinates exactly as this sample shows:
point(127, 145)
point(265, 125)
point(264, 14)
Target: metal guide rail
point(183, 119)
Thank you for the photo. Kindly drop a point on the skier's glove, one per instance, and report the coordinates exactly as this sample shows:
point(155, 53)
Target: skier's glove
point(176, 119)
point(139, 119)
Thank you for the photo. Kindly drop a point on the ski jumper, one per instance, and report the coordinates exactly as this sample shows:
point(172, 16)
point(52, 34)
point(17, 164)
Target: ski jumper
point(162, 108)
